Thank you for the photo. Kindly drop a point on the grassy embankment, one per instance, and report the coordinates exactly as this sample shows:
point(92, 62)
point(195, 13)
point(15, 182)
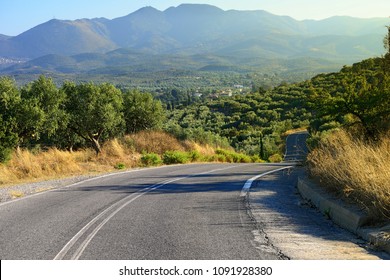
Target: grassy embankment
point(148, 148)
point(356, 170)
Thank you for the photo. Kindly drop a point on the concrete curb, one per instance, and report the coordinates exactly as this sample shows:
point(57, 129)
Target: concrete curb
point(346, 216)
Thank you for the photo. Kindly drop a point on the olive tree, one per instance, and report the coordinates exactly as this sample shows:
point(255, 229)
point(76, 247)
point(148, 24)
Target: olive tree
point(41, 112)
point(95, 111)
point(141, 111)
point(9, 101)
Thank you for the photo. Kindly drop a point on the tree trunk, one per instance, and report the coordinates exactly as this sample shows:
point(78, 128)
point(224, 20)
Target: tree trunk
point(96, 145)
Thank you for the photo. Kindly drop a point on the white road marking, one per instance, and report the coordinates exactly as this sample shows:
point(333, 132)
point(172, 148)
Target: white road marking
point(116, 207)
point(248, 183)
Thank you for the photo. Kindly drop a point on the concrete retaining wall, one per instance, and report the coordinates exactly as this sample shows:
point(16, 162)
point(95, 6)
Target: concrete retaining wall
point(346, 216)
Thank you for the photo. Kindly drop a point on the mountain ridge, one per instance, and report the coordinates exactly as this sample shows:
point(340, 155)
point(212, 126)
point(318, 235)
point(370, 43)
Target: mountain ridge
point(192, 29)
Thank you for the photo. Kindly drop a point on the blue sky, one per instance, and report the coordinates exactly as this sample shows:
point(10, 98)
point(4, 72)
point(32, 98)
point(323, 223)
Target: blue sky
point(17, 16)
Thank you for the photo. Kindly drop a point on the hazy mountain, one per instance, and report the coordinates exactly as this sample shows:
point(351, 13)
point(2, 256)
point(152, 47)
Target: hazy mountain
point(4, 37)
point(59, 37)
point(189, 30)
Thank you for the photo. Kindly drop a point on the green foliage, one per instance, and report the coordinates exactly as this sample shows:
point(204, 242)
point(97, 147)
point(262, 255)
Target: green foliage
point(142, 112)
point(275, 158)
point(357, 96)
point(231, 156)
point(250, 123)
point(151, 159)
point(95, 111)
point(175, 157)
point(41, 113)
point(194, 156)
point(120, 166)
point(74, 116)
point(9, 102)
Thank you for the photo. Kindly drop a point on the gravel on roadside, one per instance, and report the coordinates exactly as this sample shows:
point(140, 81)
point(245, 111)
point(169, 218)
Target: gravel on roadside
point(17, 191)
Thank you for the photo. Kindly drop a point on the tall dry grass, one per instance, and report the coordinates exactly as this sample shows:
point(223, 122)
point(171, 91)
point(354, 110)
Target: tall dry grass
point(153, 142)
point(356, 170)
point(126, 152)
point(27, 166)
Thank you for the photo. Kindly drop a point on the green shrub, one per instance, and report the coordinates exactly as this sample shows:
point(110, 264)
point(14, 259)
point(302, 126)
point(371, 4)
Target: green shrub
point(151, 159)
point(120, 166)
point(275, 158)
point(231, 156)
point(257, 159)
point(194, 156)
point(175, 157)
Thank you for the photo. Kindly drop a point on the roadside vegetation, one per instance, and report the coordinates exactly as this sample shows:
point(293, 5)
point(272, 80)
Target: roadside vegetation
point(47, 131)
point(141, 149)
point(355, 170)
point(351, 133)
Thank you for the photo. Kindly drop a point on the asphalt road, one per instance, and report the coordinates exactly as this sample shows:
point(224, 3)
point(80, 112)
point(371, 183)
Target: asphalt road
point(174, 212)
point(296, 148)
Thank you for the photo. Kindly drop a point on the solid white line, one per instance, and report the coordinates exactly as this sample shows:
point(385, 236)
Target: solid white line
point(85, 243)
point(98, 177)
point(125, 202)
point(248, 183)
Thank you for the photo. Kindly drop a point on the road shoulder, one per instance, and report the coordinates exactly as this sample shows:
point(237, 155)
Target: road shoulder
point(297, 229)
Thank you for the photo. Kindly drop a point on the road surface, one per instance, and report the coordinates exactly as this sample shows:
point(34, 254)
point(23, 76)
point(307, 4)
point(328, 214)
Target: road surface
point(296, 148)
point(175, 212)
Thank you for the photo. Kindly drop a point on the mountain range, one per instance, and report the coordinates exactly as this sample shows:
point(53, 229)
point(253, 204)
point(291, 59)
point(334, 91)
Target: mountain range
point(190, 35)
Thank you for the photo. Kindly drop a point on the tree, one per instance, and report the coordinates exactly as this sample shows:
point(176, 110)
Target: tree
point(358, 95)
point(141, 111)
point(41, 112)
point(95, 111)
point(9, 101)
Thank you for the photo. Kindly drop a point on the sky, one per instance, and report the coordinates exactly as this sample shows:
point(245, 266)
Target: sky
point(17, 16)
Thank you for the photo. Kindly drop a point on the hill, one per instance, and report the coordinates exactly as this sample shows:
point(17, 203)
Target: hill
point(192, 29)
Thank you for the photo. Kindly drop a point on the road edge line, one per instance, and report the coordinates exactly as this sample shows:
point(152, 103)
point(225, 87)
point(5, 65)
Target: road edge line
point(248, 183)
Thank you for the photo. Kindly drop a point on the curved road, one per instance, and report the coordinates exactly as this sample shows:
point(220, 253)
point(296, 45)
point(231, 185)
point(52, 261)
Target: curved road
point(175, 212)
point(296, 148)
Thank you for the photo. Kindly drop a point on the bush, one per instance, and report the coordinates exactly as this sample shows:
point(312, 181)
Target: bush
point(194, 156)
point(275, 158)
point(120, 166)
point(151, 159)
point(231, 156)
point(175, 157)
point(257, 159)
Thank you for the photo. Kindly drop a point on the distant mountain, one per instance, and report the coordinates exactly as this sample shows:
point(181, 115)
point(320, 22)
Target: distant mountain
point(59, 37)
point(4, 37)
point(186, 31)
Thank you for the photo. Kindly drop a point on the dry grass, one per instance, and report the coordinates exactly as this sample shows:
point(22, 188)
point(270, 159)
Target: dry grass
point(26, 166)
point(356, 170)
point(153, 142)
point(123, 153)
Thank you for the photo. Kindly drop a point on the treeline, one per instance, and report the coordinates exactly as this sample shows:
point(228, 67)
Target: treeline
point(86, 114)
point(251, 123)
point(357, 98)
point(71, 116)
